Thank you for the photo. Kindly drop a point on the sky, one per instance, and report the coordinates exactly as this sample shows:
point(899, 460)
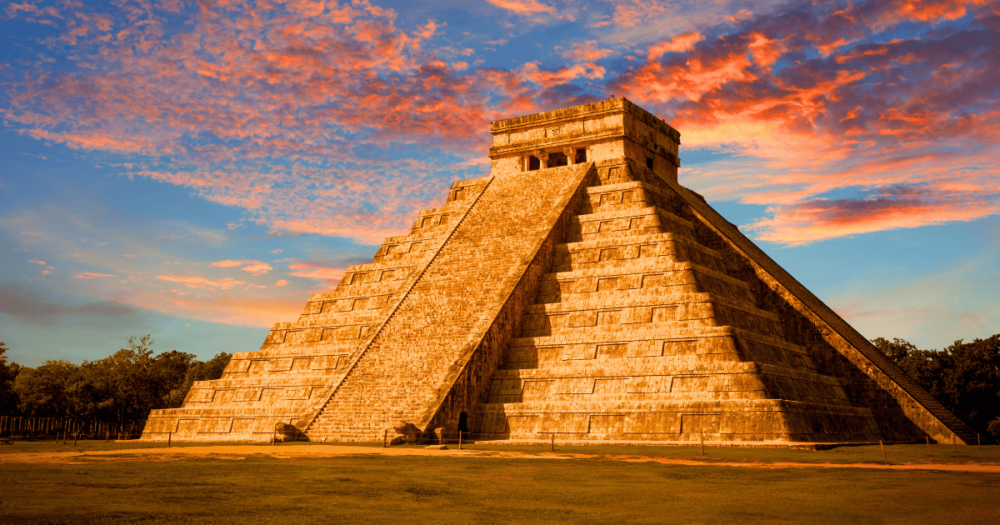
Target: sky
point(195, 170)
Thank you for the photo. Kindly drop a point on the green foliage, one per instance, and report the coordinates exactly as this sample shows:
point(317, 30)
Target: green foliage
point(965, 377)
point(124, 386)
point(897, 349)
point(42, 391)
point(199, 371)
point(8, 372)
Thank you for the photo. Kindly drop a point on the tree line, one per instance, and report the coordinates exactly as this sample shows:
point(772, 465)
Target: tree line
point(122, 387)
point(965, 377)
point(128, 384)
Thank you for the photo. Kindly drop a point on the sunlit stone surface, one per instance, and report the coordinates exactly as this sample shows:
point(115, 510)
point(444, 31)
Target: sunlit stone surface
point(578, 291)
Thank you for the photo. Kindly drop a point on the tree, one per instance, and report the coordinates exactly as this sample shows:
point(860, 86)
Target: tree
point(897, 349)
point(8, 373)
point(965, 377)
point(199, 371)
point(41, 391)
point(138, 382)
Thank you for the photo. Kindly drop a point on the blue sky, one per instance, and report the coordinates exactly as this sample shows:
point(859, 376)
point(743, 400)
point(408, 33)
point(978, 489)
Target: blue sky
point(195, 171)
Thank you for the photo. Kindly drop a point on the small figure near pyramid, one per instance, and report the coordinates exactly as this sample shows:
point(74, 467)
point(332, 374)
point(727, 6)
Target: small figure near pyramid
point(579, 292)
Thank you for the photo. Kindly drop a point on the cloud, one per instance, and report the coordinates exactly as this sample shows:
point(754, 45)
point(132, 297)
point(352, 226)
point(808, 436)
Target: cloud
point(201, 282)
point(307, 114)
point(256, 268)
point(91, 275)
point(37, 262)
point(586, 52)
point(37, 307)
point(812, 106)
point(678, 44)
point(524, 7)
point(822, 219)
point(259, 105)
point(315, 271)
point(281, 282)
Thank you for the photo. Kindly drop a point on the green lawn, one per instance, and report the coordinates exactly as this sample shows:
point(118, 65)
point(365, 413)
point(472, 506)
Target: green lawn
point(424, 489)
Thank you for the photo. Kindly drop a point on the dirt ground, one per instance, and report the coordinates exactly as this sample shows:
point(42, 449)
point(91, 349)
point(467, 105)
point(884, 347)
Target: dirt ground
point(321, 451)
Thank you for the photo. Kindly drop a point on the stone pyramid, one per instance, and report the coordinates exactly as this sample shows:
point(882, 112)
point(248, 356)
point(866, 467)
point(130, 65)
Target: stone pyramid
point(579, 292)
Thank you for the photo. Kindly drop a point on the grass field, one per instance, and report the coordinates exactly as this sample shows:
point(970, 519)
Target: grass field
point(132, 487)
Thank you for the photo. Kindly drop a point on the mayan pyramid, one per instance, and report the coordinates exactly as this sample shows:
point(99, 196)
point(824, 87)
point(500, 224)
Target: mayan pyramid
point(579, 292)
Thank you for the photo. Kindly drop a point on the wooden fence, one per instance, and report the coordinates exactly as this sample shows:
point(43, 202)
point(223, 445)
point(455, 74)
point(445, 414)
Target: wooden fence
point(67, 428)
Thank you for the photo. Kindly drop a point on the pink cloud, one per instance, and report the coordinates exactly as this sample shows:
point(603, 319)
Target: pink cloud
point(524, 7)
point(586, 52)
point(89, 275)
point(256, 268)
point(631, 13)
point(678, 44)
point(201, 282)
point(316, 271)
point(841, 120)
point(281, 282)
point(37, 262)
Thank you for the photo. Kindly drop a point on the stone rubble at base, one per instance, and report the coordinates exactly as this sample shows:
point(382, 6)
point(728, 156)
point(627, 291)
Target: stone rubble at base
point(578, 292)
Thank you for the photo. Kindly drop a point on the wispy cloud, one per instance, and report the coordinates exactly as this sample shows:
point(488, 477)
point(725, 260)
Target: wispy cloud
point(91, 275)
point(192, 281)
point(822, 108)
point(256, 268)
point(317, 272)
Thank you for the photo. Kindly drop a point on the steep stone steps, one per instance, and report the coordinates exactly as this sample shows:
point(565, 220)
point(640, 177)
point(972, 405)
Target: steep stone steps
point(397, 374)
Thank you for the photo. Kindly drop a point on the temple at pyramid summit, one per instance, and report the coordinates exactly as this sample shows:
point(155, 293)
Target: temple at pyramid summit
point(577, 293)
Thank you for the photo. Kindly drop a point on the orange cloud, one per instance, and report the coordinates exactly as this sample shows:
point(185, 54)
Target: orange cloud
point(316, 271)
point(524, 7)
point(631, 13)
point(586, 52)
point(256, 268)
point(678, 44)
point(201, 282)
point(827, 219)
point(832, 122)
point(89, 275)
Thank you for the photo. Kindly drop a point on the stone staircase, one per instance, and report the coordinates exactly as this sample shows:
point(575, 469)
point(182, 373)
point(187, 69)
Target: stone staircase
point(404, 370)
point(299, 361)
point(638, 333)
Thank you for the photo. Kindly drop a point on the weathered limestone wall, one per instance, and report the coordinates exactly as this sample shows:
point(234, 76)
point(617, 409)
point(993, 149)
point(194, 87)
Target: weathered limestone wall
point(903, 410)
point(638, 334)
point(612, 129)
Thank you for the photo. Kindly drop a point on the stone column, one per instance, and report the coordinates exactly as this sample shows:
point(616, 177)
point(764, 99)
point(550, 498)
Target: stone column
point(543, 159)
point(570, 155)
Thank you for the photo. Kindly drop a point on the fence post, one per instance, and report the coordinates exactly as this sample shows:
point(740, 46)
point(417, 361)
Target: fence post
point(385, 438)
point(954, 443)
point(702, 442)
point(552, 443)
point(886, 458)
point(459, 440)
point(928, 438)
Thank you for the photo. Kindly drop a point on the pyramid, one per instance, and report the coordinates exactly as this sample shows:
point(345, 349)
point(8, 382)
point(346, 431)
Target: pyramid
point(578, 292)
